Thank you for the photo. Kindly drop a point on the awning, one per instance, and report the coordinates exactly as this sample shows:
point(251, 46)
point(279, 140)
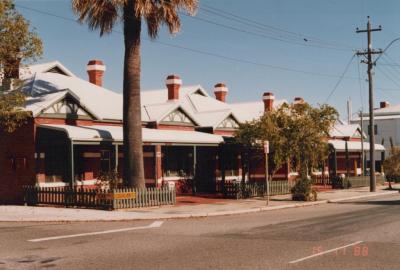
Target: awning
point(353, 146)
point(114, 134)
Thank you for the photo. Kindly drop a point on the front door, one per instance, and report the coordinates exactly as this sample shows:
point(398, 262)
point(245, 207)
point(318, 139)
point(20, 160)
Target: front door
point(205, 169)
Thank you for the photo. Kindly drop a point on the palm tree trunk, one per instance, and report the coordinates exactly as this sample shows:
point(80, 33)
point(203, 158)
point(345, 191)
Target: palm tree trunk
point(133, 147)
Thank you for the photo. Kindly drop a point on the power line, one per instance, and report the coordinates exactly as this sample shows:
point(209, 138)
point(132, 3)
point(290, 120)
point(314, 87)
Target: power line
point(245, 31)
point(391, 58)
point(247, 21)
point(390, 65)
point(387, 47)
point(391, 62)
point(282, 38)
point(389, 89)
point(232, 59)
point(386, 94)
point(340, 79)
point(392, 71)
point(388, 77)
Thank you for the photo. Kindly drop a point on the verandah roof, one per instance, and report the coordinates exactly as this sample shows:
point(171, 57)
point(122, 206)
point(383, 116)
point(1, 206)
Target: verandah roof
point(353, 146)
point(114, 133)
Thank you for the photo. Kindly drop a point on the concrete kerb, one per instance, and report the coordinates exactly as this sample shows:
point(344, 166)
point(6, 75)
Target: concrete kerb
point(205, 214)
point(363, 196)
point(287, 206)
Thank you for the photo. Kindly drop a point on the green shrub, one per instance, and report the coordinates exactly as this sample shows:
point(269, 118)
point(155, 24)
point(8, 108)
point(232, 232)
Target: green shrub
point(393, 178)
point(339, 182)
point(302, 191)
point(108, 180)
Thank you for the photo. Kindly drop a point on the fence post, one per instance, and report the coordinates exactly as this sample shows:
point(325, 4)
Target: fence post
point(114, 203)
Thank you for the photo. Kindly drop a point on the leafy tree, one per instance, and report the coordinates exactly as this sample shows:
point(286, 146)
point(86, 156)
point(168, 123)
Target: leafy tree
point(392, 165)
point(296, 133)
point(103, 15)
point(248, 137)
point(11, 114)
point(18, 41)
point(307, 130)
point(18, 44)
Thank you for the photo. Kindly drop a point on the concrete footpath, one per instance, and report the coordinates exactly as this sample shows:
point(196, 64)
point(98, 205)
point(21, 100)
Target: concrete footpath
point(216, 207)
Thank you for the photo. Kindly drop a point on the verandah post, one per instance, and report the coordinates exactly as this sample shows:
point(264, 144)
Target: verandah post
point(194, 169)
point(72, 180)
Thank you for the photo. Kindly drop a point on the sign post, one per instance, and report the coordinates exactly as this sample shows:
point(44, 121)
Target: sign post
point(266, 152)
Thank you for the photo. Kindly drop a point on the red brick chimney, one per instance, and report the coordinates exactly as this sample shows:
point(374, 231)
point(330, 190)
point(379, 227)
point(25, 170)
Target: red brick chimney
point(268, 99)
point(95, 69)
point(220, 92)
point(384, 104)
point(298, 100)
point(173, 83)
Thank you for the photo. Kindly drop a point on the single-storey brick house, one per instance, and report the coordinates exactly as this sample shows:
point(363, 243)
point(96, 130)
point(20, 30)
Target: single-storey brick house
point(75, 133)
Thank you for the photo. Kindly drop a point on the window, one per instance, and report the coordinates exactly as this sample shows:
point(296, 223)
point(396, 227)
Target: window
point(231, 162)
point(177, 161)
point(55, 164)
point(105, 160)
point(17, 163)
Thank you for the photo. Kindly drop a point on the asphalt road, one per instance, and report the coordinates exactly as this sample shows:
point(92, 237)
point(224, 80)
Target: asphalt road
point(352, 235)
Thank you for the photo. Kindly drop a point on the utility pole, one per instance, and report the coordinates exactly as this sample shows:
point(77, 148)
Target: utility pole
point(362, 143)
point(368, 54)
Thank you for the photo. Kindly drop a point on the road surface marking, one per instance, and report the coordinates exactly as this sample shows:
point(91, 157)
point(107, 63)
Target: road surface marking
point(155, 224)
point(326, 252)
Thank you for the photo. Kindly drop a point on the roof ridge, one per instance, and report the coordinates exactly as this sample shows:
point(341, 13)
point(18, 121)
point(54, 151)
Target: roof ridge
point(164, 89)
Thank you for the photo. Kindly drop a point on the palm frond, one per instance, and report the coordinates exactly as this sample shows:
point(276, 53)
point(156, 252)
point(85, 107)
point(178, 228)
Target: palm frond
point(163, 12)
point(98, 14)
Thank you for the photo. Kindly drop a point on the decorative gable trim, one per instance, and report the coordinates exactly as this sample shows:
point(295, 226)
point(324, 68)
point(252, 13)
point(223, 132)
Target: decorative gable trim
point(229, 123)
point(357, 134)
point(58, 70)
point(178, 117)
point(199, 92)
point(67, 107)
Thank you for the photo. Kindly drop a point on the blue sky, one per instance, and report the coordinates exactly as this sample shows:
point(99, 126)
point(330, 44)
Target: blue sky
point(327, 26)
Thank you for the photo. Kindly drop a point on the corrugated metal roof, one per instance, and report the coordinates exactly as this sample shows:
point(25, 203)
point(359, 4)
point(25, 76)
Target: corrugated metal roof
point(114, 133)
point(353, 146)
point(44, 87)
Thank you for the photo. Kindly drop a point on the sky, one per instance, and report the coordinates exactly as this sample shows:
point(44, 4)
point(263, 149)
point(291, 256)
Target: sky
point(289, 47)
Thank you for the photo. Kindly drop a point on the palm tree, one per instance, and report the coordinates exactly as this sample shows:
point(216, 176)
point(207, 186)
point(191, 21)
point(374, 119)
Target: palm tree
point(103, 15)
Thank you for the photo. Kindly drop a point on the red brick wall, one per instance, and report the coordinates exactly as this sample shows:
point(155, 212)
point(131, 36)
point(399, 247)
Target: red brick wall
point(17, 162)
point(223, 132)
point(173, 127)
point(257, 169)
point(55, 121)
point(354, 159)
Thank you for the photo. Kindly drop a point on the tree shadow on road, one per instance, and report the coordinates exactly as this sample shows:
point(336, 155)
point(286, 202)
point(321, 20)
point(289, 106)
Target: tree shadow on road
point(380, 202)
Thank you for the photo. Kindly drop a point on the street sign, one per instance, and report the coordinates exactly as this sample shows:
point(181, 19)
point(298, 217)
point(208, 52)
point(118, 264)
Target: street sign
point(266, 147)
point(125, 195)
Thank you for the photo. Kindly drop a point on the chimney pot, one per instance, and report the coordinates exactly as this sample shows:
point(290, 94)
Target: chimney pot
point(173, 83)
point(220, 92)
point(298, 100)
point(95, 70)
point(268, 99)
point(384, 104)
